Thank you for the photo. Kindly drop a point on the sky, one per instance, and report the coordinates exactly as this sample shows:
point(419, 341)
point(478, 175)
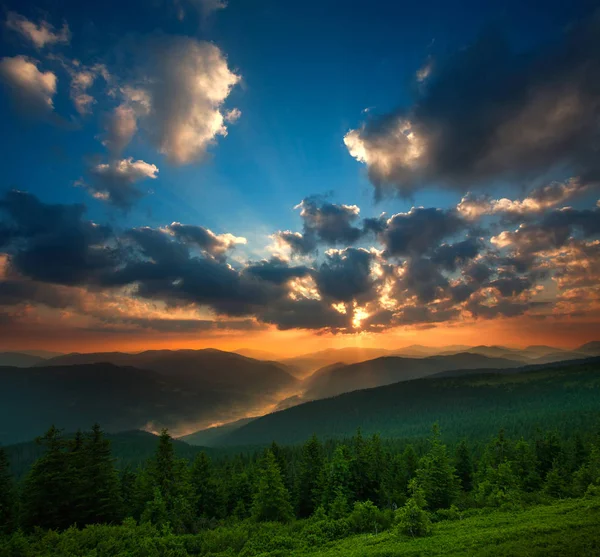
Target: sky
point(293, 176)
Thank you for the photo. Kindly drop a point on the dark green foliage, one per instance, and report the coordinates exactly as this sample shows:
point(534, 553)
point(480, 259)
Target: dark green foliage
point(412, 518)
point(271, 500)
point(436, 474)
point(310, 478)
point(48, 488)
point(464, 466)
point(208, 497)
point(8, 499)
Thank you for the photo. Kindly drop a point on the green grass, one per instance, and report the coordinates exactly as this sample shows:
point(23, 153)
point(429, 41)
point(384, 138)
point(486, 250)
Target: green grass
point(563, 529)
point(569, 527)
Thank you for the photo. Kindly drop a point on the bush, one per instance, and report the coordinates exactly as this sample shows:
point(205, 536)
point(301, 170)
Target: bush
point(366, 517)
point(413, 520)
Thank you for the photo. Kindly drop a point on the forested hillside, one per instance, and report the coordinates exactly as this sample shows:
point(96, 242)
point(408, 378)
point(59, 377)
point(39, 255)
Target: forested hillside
point(561, 396)
point(361, 496)
point(182, 392)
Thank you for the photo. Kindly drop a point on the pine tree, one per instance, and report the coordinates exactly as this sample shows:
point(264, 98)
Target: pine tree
point(310, 491)
point(525, 466)
point(207, 492)
point(410, 464)
point(436, 475)
point(338, 477)
point(48, 500)
point(271, 500)
point(8, 503)
point(100, 488)
point(464, 466)
point(555, 483)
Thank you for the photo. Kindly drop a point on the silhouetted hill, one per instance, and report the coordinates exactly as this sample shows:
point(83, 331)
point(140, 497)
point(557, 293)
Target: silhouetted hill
point(19, 359)
point(309, 363)
point(196, 368)
point(590, 348)
point(561, 396)
point(335, 380)
point(184, 394)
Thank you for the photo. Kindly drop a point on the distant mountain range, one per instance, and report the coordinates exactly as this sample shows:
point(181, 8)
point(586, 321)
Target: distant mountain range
point(173, 389)
point(187, 390)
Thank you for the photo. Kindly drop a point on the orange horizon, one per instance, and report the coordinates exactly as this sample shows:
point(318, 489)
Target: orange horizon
point(513, 332)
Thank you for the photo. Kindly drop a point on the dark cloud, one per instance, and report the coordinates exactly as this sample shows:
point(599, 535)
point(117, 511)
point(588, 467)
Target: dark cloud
point(421, 278)
point(276, 270)
point(450, 256)
point(305, 314)
point(419, 231)
point(345, 275)
point(323, 223)
point(54, 243)
point(204, 239)
point(489, 113)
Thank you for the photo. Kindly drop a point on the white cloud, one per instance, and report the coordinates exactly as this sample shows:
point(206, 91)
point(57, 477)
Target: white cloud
point(41, 34)
point(120, 128)
point(116, 181)
point(32, 90)
point(179, 95)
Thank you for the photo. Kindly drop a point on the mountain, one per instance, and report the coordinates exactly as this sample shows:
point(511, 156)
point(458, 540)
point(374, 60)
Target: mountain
point(590, 348)
point(174, 390)
point(474, 406)
point(308, 363)
point(334, 380)
point(210, 436)
point(19, 359)
point(196, 368)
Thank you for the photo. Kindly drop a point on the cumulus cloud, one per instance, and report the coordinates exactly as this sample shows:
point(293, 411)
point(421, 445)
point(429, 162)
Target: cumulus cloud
point(539, 200)
point(323, 223)
point(490, 113)
point(32, 90)
point(41, 34)
point(419, 230)
point(121, 126)
point(209, 242)
point(177, 98)
point(116, 181)
point(345, 275)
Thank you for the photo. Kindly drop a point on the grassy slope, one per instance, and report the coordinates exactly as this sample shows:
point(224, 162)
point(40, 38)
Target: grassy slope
point(564, 529)
point(570, 527)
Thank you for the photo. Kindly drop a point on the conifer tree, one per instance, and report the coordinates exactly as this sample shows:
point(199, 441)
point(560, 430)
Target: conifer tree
point(99, 496)
point(48, 487)
point(436, 474)
point(8, 502)
point(338, 477)
point(464, 466)
point(208, 500)
point(524, 464)
point(271, 500)
point(310, 491)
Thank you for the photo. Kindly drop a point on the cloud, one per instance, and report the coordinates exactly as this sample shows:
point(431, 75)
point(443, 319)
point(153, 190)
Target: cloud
point(490, 113)
point(177, 98)
point(82, 80)
point(539, 200)
point(120, 127)
point(115, 181)
point(54, 243)
point(32, 91)
point(418, 231)
point(209, 242)
point(345, 275)
point(323, 223)
point(41, 34)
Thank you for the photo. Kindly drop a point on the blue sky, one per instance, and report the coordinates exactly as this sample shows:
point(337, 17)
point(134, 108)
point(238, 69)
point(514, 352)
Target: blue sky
point(307, 74)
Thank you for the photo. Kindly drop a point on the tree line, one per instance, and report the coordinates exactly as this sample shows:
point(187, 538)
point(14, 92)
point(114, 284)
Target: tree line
point(363, 481)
